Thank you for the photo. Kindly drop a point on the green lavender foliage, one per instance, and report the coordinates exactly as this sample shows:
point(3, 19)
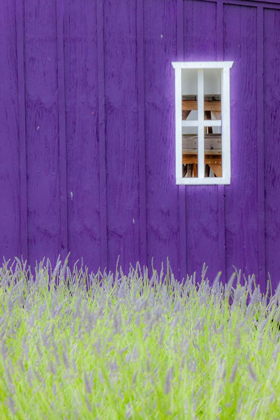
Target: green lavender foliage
point(78, 345)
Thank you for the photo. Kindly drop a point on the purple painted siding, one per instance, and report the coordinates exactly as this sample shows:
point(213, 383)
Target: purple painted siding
point(42, 129)
point(122, 144)
point(87, 156)
point(82, 114)
point(241, 215)
point(272, 138)
point(9, 138)
point(203, 234)
point(160, 50)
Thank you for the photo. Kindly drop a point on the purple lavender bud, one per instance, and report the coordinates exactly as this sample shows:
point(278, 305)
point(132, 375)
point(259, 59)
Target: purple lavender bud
point(88, 386)
point(276, 351)
point(37, 375)
point(4, 351)
point(88, 403)
point(65, 359)
point(161, 337)
point(128, 411)
point(52, 368)
point(56, 357)
point(12, 405)
point(101, 377)
point(252, 373)
point(21, 365)
point(127, 357)
point(167, 385)
point(134, 377)
point(54, 389)
point(253, 413)
point(174, 323)
point(177, 306)
point(30, 376)
point(233, 373)
point(25, 350)
point(123, 350)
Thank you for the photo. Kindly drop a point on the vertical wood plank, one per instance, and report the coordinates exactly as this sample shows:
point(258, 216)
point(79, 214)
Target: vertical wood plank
point(22, 127)
point(221, 189)
point(62, 130)
point(42, 130)
point(204, 218)
point(10, 187)
point(226, 123)
point(141, 132)
point(102, 136)
point(181, 188)
point(122, 153)
point(162, 192)
point(240, 46)
point(260, 138)
point(272, 140)
point(82, 130)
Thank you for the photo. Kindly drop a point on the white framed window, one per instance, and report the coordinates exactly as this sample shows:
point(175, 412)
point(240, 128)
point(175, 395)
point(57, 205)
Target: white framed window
point(202, 113)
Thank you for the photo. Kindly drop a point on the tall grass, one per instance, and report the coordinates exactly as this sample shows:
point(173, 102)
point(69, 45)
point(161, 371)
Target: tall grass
point(78, 345)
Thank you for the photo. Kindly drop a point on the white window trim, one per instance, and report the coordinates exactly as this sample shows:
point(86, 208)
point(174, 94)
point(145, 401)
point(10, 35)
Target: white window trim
point(200, 123)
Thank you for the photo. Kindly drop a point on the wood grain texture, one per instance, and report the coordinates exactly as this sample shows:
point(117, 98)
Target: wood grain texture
point(141, 133)
point(22, 127)
point(62, 129)
point(82, 112)
point(162, 193)
point(42, 130)
point(182, 271)
point(200, 44)
point(272, 140)
point(221, 191)
point(9, 135)
point(241, 214)
point(102, 135)
point(122, 149)
point(261, 148)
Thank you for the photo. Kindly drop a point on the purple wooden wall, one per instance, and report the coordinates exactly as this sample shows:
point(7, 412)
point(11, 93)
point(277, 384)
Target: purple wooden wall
point(87, 160)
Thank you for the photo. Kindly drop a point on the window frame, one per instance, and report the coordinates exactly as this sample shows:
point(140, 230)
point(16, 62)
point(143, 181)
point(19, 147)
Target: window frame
point(225, 67)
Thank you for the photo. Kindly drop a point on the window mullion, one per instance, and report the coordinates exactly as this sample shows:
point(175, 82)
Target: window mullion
point(200, 107)
point(225, 123)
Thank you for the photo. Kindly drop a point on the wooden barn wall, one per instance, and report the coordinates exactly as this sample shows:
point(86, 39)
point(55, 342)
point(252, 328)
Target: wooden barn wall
point(87, 156)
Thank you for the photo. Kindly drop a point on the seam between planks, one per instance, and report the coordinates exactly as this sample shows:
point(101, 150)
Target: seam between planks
point(141, 132)
point(62, 131)
point(102, 136)
point(221, 190)
point(181, 188)
point(22, 129)
point(260, 137)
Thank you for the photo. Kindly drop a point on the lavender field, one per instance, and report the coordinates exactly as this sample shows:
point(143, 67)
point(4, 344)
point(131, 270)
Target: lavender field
point(79, 345)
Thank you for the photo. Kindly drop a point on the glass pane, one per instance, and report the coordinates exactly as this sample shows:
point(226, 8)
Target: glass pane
point(189, 94)
point(212, 123)
point(190, 152)
point(213, 153)
point(212, 94)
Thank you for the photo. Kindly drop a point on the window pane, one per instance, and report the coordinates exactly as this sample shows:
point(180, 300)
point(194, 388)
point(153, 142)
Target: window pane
point(189, 95)
point(213, 153)
point(212, 123)
point(190, 152)
point(212, 94)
